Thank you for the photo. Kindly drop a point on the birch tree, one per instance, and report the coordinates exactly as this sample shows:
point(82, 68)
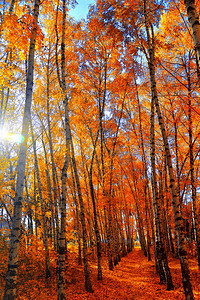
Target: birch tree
point(194, 22)
point(11, 279)
point(175, 201)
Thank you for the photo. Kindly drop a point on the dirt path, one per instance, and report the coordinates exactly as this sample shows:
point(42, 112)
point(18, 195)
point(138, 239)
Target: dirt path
point(133, 279)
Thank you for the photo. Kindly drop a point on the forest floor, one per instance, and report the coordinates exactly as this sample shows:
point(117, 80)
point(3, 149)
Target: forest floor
point(134, 278)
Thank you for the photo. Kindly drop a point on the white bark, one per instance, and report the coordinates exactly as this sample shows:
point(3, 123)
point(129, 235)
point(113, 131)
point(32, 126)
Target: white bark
point(11, 280)
point(195, 25)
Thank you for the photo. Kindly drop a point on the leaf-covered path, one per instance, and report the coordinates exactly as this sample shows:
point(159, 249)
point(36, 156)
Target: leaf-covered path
point(135, 278)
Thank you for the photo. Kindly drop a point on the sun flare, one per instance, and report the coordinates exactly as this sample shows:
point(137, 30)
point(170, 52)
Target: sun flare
point(5, 135)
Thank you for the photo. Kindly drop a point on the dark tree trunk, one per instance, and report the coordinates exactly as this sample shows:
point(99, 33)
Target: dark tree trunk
point(175, 201)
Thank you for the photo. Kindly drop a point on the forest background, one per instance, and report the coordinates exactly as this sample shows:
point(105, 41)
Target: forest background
point(99, 146)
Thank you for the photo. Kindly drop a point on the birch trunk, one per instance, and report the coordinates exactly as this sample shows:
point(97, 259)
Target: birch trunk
point(167, 211)
point(175, 201)
point(62, 236)
point(11, 6)
point(194, 22)
point(162, 263)
point(96, 227)
point(77, 216)
point(110, 261)
point(3, 106)
point(147, 224)
point(121, 229)
point(55, 192)
point(50, 194)
point(30, 219)
point(87, 194)
point(127, 224)
point(117, 257)
point(88, 285)
point(177, 156)
point(192, 178)
point(163, 213)
point(146, 183)
point(35, 202)
point(48, 274)
point(161, 258)
point(11, 279)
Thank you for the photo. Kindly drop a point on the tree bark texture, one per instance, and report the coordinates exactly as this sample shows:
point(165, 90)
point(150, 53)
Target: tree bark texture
point(53, 167)
point(175, 200)
point(11, 279)
point(195, 25)
point(62, 236)
point(48, 274)
point(88, 284)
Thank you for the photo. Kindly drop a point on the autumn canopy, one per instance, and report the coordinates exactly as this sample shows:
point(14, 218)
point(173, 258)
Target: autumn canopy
point(99, 147)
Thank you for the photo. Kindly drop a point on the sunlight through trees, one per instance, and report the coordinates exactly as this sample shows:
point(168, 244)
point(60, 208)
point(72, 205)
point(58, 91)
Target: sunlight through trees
point(99, 150)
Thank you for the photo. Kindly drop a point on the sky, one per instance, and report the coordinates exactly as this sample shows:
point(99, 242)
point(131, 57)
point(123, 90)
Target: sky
point(81, 9)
